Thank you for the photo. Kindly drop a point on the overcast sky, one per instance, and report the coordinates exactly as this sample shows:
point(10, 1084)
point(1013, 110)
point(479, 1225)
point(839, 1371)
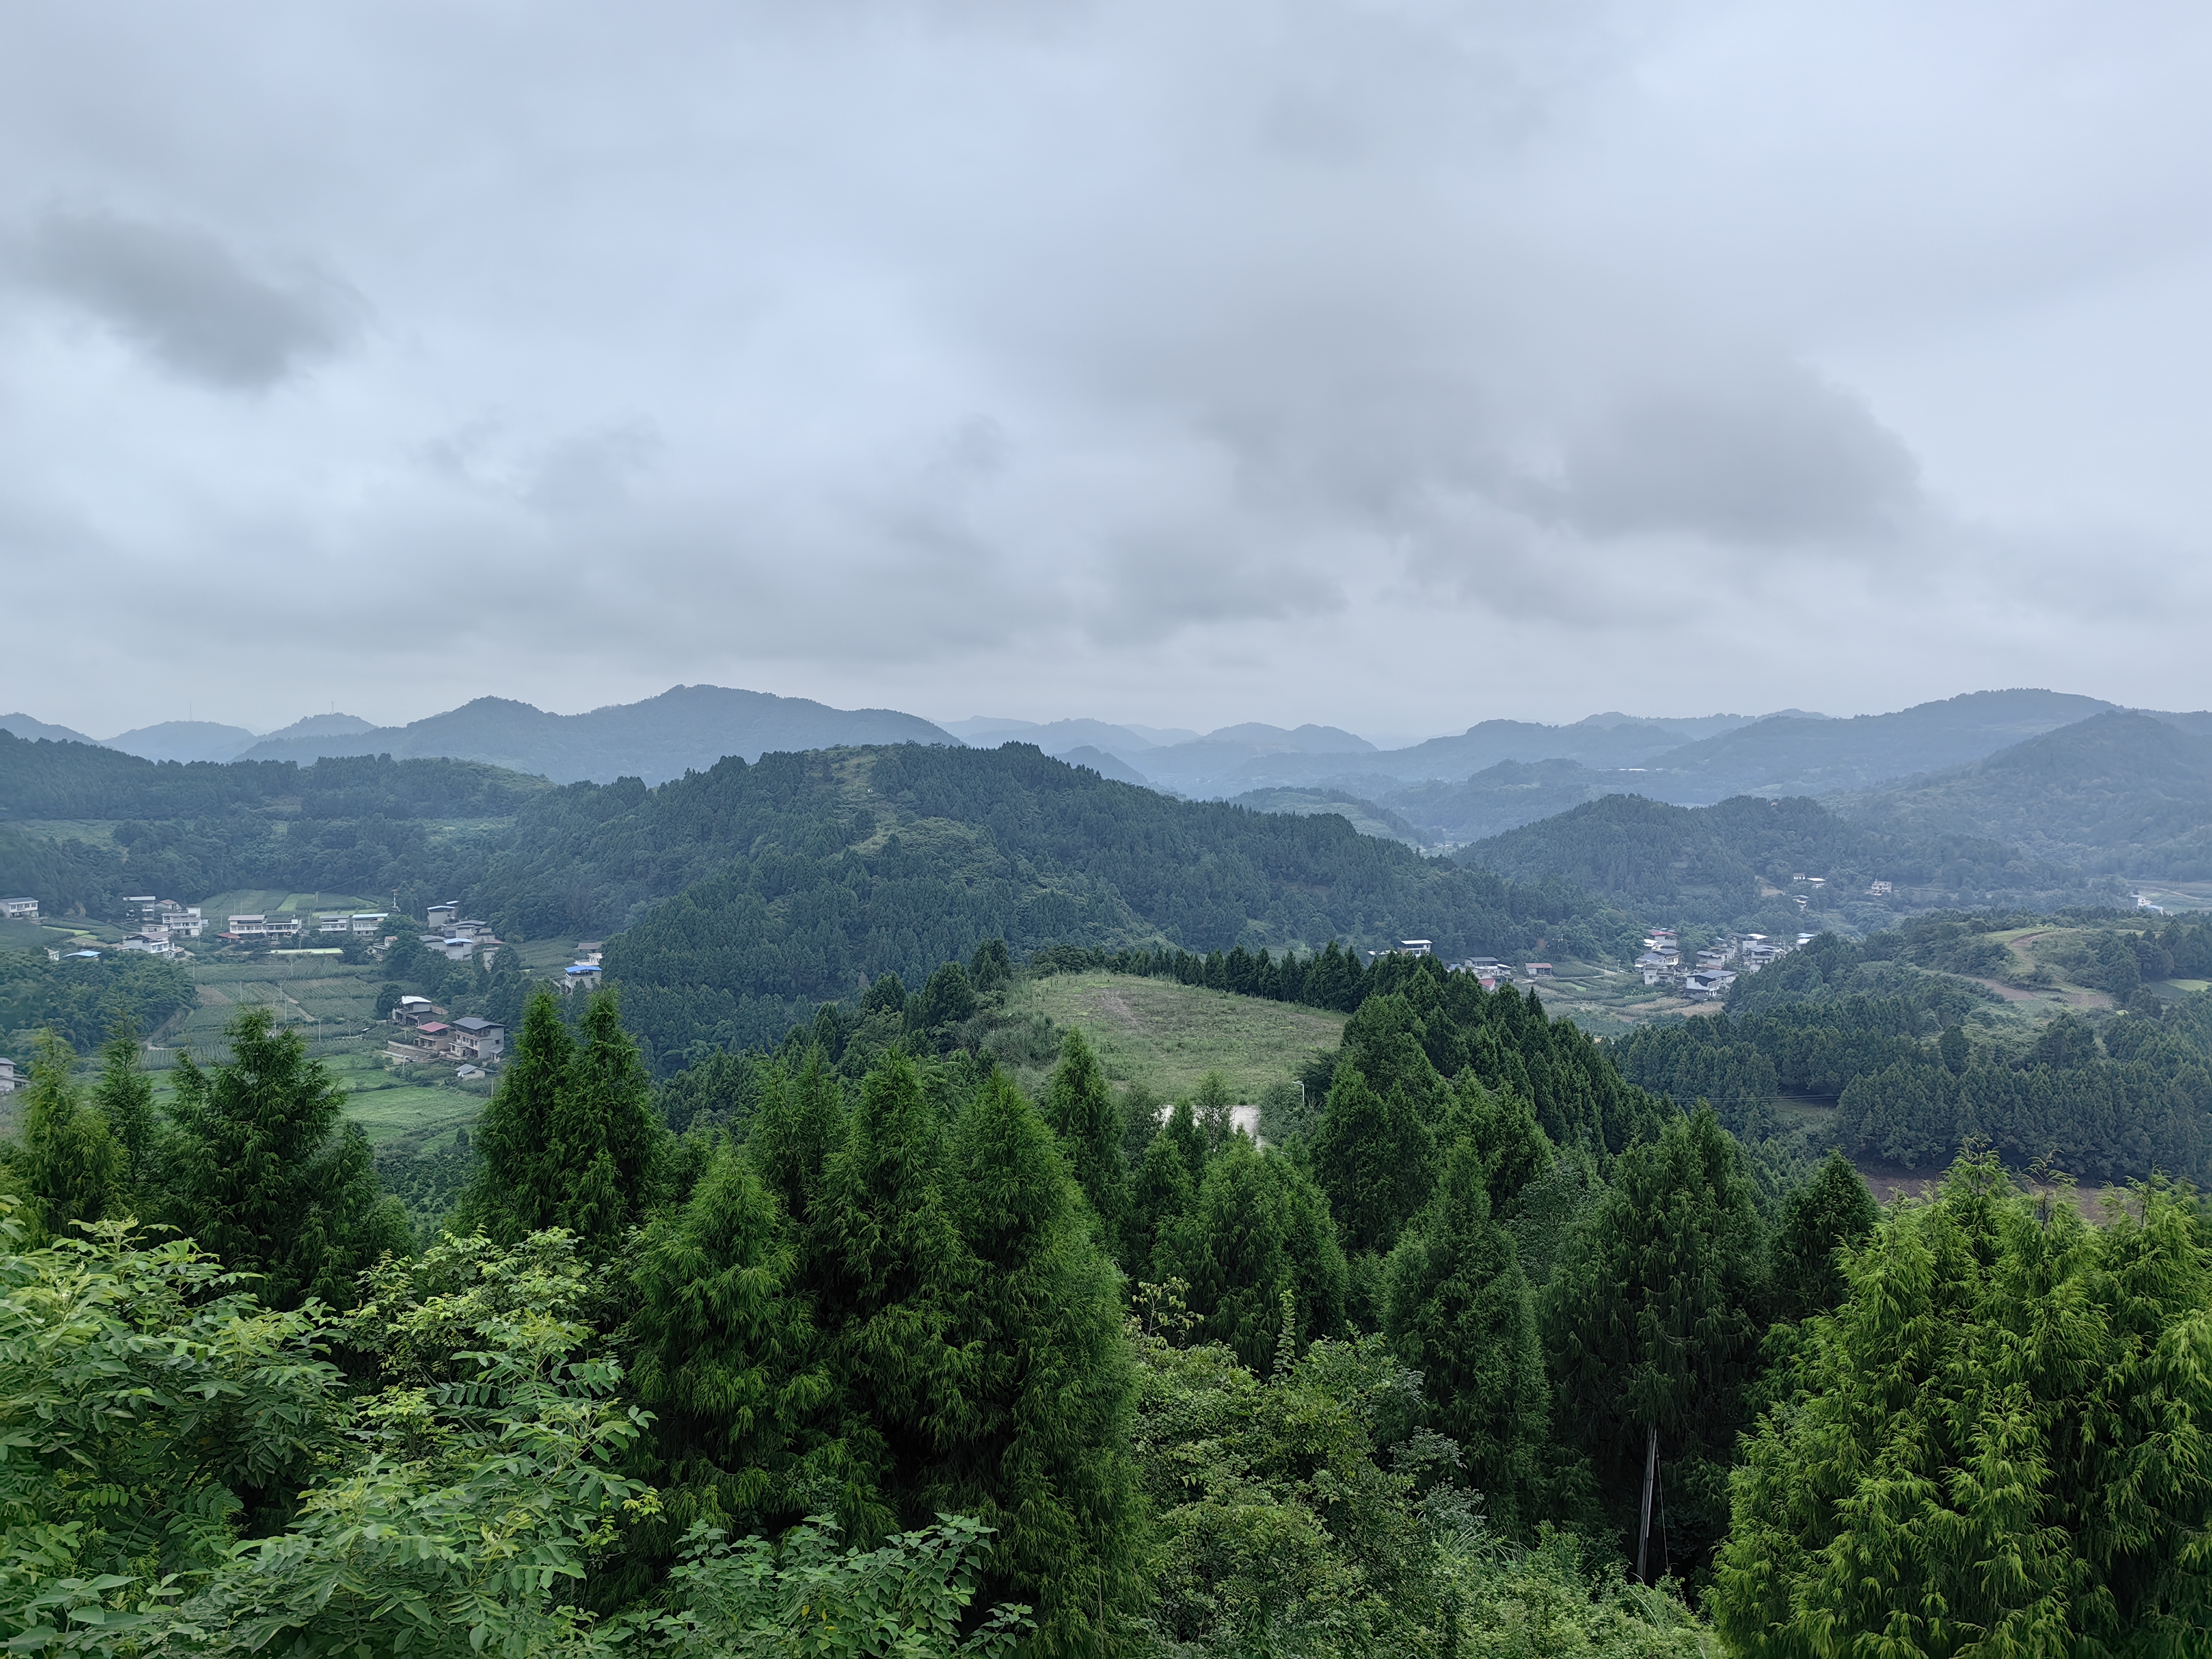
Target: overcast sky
point(1389, 364)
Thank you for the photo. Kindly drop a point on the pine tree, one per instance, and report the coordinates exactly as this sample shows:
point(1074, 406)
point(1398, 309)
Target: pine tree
point(269, 1177)
point(726, 1355)
point(1081, 1109)
point(71, 1166)
point(519, 1189)
point(1044, 1457)
point(1457, 1309)
point(605, 1135)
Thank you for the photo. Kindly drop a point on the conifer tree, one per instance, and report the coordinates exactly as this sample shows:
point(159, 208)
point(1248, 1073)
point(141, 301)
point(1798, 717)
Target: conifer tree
point(269, 1177)
point(1997, 1443)
point(1376, 1157)
point(1081, 1109)
point(1166, 1188)
point(1818, 1217)
point(726, 1357)
point(800, 1122)
point(606, 1136)
point(70, 1165)
point(893, 1272)
point(519, 1189)
point(1259, 1228)
point(1043, 1455)
point(124, 1095)
point(1457, 1309)
point(1653, 1323)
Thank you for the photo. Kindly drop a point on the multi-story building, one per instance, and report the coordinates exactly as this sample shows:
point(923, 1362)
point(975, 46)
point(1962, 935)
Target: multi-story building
point(19, 909)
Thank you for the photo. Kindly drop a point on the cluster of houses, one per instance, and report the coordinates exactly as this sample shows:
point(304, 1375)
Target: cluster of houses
point(457, 937)
point(1709, 981)
point(475, 1045)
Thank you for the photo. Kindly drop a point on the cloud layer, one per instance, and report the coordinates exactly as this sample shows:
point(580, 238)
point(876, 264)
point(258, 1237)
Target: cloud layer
point(1378, 362)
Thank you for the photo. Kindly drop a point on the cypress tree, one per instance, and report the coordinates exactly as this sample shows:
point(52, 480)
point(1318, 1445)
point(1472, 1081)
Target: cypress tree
point(71, 1167)
point(893, 1272)
point(1044, 1455)
point(1166, 1188)
point(1653, 1323)
point(605, 1134)
point(518, 1189)
point(1081, 1109)
point(124, 1095)
point(1259, 1229)
point(1818, 1217)
point(726, 1355)
point(800, 1122)
point(269, 1177)
point(1457, 1309)
point(1375, 1154)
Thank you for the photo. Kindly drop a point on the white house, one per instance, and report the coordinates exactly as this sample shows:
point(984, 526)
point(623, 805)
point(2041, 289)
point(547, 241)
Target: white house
point(153, 942)
point(481, 1040)
point(7, 1076)
point(441, 916)
point(19, 909)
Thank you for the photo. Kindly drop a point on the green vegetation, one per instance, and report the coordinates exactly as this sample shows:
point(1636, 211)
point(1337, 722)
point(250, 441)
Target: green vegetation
point(1165, 1037)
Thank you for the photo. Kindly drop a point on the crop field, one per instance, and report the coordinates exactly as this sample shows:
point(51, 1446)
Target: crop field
point(1167, 1035)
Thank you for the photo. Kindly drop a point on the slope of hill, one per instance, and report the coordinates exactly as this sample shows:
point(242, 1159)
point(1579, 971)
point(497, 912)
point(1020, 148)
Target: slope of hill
point(23, 727)
point(805, 877)
point(1364, 816)
point(184, 740)
point(686, 728)
point(1795, 756)
point(1502, 796)
point(1713, 863)
point(2121, 792)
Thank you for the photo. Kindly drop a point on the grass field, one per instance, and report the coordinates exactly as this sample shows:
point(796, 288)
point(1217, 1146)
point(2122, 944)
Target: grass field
point(1167, 1035)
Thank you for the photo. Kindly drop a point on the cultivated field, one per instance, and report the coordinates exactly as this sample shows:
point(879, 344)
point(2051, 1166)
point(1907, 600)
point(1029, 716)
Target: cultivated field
point(1167, 1035)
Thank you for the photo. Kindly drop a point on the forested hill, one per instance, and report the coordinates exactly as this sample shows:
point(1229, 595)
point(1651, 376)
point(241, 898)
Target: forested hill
point(815, 873)
point(1708, 863)
point(2123, 791)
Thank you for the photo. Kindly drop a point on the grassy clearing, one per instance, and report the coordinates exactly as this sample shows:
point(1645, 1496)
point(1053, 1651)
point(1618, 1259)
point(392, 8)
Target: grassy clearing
point(1167, 1035)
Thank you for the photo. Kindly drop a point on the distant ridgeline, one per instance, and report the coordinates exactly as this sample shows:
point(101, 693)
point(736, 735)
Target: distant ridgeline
point(1885, 1029)
point(1707, 863)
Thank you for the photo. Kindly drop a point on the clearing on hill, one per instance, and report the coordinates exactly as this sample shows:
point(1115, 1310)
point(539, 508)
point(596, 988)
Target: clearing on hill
point(1167, 1035)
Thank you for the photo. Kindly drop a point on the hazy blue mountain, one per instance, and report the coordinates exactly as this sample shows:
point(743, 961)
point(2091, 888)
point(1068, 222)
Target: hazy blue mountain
point(321, 725)
point(1304, 740)
point(31, 731)
point(2124, 792)
point(1105, 764)
point(687, 728)
point(1502, 797)
point(1800, 755)
point(1364, 816)
point(184, 740)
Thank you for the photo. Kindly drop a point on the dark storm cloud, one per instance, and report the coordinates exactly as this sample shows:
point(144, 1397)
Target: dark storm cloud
point(187, 299)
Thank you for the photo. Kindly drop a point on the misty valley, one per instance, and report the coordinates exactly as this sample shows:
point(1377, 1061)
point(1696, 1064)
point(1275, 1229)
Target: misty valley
point(725, 1174)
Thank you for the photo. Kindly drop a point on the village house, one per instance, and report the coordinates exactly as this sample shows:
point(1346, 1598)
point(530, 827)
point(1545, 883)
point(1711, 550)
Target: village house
point(481, 1040)
point(19, 909)
point(413, 1011)
point(6, 1075)
point(580, 976)
point(153, 942)
point(441, 916)
point(263, 927)
point(1538, 969)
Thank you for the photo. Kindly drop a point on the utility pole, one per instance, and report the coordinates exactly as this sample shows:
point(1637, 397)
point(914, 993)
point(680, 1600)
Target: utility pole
point(1643, 1521)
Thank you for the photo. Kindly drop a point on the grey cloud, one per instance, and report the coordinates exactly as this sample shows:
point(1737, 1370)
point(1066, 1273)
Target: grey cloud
point(1776, 460)
point(186, 298)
